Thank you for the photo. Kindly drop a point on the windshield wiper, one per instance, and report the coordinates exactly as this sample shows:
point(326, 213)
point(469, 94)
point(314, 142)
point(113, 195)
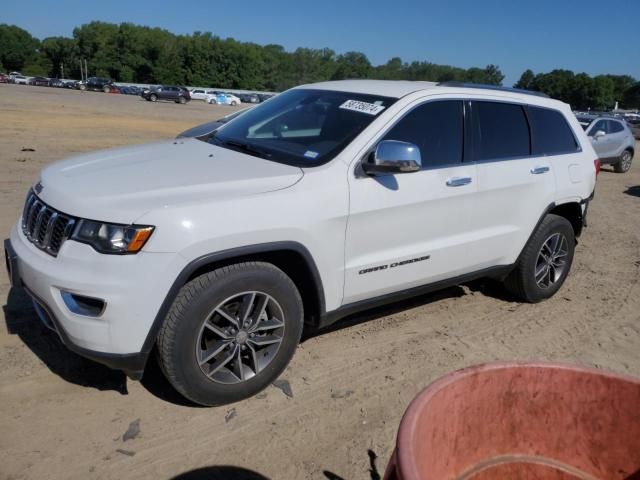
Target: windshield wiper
point(245, 147)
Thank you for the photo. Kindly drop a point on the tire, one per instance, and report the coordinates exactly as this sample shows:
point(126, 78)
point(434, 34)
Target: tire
point(153, 97)
point(182, 100)
point(106, 89)
point(83, 87)
point(234, 103)
point(522, 281)
point(184, 342)
point(624, 164)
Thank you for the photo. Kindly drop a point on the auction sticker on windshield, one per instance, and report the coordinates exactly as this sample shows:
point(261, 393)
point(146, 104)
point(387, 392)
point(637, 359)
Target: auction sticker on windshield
point(363, 107)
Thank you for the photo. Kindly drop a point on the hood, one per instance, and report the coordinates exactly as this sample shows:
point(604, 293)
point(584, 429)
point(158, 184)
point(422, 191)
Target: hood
point(122, 184)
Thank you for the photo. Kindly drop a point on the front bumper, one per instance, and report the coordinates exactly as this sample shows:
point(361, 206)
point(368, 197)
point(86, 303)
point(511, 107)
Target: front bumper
point(132, 286)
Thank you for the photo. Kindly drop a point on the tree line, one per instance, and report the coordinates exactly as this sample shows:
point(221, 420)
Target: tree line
point(132, 53)
point(584, 92)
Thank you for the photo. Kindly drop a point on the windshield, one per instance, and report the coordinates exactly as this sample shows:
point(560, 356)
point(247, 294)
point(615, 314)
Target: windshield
point(302, 127)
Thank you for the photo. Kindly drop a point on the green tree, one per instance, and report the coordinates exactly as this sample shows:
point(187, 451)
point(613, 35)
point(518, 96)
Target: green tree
point(526, 80)
point(17, 48)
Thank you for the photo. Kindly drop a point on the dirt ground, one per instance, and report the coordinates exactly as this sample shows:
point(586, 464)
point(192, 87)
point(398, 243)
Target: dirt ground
point(63, 417)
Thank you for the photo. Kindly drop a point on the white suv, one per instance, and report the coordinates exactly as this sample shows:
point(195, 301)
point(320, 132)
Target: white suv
point(328, 199)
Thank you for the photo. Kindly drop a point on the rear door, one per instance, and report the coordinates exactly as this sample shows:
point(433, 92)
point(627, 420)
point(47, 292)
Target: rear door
point(514, 186)
point(618, 135)
point(407, 230)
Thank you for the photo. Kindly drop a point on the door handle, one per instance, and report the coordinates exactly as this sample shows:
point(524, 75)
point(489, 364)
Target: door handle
point(539, 170)
point(458, 181)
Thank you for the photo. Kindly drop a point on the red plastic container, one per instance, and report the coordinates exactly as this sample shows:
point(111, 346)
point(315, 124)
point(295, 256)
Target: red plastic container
point(521, 421)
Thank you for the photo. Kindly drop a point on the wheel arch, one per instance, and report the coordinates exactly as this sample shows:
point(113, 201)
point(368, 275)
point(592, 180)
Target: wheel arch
point(291, 257)
point(572, 211)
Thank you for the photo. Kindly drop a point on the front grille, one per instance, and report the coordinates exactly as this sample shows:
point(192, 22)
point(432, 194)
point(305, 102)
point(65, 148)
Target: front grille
point(44, 226)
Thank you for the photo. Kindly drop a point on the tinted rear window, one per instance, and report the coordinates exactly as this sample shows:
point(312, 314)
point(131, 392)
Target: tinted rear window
point(615, 127)
point(502, 130)
point(551, 134)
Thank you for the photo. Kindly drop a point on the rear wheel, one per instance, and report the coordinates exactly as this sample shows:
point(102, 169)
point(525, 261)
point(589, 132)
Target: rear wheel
point(624, 164)
point(230, 333)
point(545, 261)
point(106, 89)
point(182, 100)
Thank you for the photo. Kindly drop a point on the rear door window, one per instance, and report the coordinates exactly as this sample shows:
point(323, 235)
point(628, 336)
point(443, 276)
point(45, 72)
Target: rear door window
point(615, 127)
point(437, 128)
point(502, 131)
point(550, 132)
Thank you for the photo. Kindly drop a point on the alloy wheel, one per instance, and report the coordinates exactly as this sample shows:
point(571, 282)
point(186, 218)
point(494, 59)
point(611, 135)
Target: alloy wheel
point(551, 262)
point(625, 161)
point(240, 337)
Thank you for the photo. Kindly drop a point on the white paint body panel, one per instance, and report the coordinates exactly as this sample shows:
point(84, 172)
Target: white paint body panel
point(204, 199)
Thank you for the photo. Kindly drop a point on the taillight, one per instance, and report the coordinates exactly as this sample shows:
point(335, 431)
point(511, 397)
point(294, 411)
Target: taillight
point(596, 164)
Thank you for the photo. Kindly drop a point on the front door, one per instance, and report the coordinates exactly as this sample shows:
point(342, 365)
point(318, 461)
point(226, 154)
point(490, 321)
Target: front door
point(602, 145)
point(406, 230)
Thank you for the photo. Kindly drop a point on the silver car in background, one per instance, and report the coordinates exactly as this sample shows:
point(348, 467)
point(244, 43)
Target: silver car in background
point(612, 140)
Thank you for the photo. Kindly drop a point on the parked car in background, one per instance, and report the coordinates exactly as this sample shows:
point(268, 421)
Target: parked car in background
point(202, 94)
point(73, 84)
point(265, 96)
point(131, 90)
point(202, 132)
point(167, 92)
point(248, 97)
point(56, 82)
point(39, 81)
point(225, 99)
point(20, 80)
point(97, 84)
point(4, 78)
point(612, 140)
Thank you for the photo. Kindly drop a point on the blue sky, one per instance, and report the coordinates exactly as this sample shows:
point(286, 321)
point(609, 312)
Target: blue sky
point(593, 36)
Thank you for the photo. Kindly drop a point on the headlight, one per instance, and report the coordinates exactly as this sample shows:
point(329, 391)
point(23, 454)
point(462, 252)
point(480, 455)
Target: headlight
point(110, 238)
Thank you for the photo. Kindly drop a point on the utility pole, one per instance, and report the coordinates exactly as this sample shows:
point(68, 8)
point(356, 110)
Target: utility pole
point(86, 70)
point(81, 76)
point(61, 70)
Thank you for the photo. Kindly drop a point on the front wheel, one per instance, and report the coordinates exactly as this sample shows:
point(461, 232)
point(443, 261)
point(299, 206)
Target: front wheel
point(153, 98)
point(230, 333)
point(545, 261)
point(83, 87)
point(106, 89)
point(182, 100)
point(624, 164)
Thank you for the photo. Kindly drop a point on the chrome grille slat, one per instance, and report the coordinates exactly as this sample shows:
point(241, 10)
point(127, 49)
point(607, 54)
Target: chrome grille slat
point(44, 226)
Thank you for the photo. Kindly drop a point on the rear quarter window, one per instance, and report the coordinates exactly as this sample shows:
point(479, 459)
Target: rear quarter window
point(550, 132)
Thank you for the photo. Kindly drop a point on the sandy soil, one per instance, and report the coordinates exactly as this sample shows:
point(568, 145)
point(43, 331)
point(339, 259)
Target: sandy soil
point(63, 417)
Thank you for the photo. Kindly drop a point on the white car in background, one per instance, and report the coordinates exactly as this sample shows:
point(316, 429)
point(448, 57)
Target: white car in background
point(225, 99)
point(202, 94)
point(21, 80)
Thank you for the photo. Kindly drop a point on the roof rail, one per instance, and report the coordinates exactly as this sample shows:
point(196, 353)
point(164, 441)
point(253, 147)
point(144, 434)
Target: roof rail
point(492, 87)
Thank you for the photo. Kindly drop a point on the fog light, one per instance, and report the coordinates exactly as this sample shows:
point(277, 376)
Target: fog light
point(81, 305)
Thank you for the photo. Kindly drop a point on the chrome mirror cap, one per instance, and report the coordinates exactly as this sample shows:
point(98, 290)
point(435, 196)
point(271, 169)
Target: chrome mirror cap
point(393, 156)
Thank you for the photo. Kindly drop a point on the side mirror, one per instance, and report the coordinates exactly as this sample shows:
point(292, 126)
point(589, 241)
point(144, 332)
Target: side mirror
point(599, 134)
point(392, 156)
